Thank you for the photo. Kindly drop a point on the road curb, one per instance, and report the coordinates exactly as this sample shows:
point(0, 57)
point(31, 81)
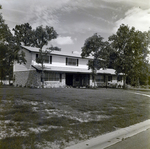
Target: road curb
point(111, 138)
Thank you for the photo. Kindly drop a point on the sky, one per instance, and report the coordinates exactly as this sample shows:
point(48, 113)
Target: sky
point(76, 20)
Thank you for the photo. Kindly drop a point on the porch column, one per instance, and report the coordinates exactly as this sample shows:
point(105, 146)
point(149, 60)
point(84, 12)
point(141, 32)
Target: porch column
point(106, 80)
point(91, 80)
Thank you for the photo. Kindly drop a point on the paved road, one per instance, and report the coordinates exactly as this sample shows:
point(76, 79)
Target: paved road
point(133, 137)
point(139, 141)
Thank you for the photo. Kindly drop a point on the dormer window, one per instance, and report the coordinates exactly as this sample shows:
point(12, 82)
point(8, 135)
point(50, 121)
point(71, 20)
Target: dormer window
point(72, 61)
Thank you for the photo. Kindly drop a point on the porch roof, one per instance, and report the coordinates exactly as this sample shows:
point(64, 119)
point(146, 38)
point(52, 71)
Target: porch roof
point(73, 70)
point(107, 71)
point(63, 69)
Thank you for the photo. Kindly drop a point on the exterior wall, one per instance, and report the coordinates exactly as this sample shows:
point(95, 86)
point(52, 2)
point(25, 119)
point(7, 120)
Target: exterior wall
point(106, 83)
point(19, 67)
point(61, 61)
point(115, 82)
point(28, 57)
point(24, 67)
point(20, 78)
point(34, 79)
point(58, 60)
point(83, 63)
point(27, 78)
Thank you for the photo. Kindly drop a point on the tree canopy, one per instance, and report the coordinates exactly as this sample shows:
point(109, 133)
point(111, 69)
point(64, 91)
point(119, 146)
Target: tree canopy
point(23, 34)
point(97, 48)
point(39, 38)
point(9, 50)
point(130, 47)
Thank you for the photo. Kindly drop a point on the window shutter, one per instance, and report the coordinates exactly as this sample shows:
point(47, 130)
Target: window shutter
point(36, 57)
point(77, 62)
point(60, 77)
point(66, 61)
point(50, 59)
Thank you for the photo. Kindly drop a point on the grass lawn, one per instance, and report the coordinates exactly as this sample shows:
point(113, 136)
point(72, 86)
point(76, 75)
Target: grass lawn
point(56, 118)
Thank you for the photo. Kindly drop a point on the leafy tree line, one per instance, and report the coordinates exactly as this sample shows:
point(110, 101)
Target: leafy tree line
point(23, 34)
point(9, 51)
point(126, 52)
point(38, 38)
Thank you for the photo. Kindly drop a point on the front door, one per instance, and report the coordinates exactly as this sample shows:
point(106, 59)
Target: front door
point(69, 79)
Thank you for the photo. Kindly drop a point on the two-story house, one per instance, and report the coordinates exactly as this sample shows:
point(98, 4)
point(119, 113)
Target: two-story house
point(60, 70)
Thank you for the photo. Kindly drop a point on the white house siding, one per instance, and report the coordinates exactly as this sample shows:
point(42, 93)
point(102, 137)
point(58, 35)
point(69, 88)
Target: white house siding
point(58, 60)
point(115, 82)
point(61, 61)
point(24, 67)
point(19, 67)
point(83, 63)
point(28, 56)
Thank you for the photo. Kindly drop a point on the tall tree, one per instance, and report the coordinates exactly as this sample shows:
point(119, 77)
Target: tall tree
point(9, 50)
point(39, 38)
point(131, 50)
point(24, 34)
point(42, 35)
point(97, 48)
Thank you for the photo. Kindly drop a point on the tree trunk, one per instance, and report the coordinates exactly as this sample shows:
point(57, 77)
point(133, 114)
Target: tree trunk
point(137, 82)
point(147, 82)
point(94, 78)
point(42, 66)
point(124, 81)
point(42, 75)
point(106, 80)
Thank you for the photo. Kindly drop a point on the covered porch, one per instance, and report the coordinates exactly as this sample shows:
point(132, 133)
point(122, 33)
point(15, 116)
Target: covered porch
point(77, 79)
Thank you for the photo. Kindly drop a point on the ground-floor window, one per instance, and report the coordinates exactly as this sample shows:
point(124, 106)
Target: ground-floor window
point(119, 78)
point(52, 76)
point(99, 78)
point(77, 78)
point(110, 78)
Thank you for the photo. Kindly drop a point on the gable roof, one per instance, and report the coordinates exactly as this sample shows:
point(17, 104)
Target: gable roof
point(61, 53)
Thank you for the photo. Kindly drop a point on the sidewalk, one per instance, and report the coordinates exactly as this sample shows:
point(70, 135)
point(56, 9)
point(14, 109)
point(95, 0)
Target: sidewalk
point(139, 141)
point(121, 136)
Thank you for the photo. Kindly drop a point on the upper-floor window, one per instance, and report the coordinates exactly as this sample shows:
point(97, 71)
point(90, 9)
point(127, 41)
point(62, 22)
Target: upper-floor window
point(72, 61)
point(46, 59)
